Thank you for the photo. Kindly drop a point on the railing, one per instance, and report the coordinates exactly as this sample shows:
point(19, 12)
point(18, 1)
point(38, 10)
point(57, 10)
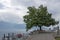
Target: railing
point(13, 37)
point(9, 37)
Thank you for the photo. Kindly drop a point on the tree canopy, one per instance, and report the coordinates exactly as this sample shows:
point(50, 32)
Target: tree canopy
point(38, 17)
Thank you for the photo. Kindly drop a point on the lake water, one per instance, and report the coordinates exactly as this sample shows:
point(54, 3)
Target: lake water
point(6, 31)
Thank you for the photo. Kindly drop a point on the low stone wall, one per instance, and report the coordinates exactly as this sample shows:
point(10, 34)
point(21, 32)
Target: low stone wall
point(42, 36)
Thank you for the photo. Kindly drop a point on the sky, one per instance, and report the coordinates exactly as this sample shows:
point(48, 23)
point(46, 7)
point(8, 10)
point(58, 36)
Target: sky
point(12, 11)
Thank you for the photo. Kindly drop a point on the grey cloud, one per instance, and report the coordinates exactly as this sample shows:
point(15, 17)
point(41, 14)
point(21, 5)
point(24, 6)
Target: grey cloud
point(54, 1)
point(10, 17)
point(52, 5)
point(24, 2)
point(54, 8)
point(1, 6)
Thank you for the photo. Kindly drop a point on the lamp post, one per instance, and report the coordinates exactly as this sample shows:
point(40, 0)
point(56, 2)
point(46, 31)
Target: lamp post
point(57, 30)
point(8, 37)
point(3, 37)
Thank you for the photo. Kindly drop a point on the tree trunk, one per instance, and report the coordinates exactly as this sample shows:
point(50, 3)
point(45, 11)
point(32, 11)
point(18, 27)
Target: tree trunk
point(40, 28)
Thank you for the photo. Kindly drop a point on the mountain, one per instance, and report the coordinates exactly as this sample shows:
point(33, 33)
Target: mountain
point(6, 25)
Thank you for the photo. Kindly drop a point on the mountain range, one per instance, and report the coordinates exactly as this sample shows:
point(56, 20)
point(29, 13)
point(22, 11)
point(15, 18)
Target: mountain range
point(7, 25)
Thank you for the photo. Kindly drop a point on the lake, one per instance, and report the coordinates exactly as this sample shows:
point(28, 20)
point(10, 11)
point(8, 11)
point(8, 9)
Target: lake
point(6, 31)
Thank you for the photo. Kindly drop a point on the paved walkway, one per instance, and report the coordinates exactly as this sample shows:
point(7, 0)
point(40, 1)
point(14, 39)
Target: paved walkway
point(42, 36)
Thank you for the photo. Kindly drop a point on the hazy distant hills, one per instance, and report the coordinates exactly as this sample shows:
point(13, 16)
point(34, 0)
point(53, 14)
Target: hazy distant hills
point(6, 25)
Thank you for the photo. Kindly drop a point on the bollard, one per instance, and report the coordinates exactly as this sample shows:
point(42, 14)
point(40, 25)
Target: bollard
point(3, 38)
point(8, 37)
point(57, 30)
point(13, 37)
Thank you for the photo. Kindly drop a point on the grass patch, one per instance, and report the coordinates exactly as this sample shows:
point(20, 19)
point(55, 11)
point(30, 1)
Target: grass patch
point(57, 38)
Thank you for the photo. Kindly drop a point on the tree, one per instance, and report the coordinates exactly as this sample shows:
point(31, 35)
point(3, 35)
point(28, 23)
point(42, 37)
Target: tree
point(38, 17)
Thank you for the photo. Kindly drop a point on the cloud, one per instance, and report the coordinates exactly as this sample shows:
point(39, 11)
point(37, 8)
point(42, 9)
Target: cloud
point(53, 7)
point(12, 13)
point(27, 3)
point(1, 6)
point(22, 2)
point(18, 8)
point(10, 17)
